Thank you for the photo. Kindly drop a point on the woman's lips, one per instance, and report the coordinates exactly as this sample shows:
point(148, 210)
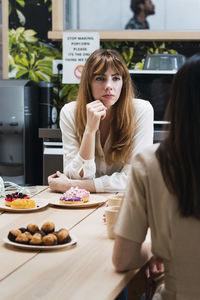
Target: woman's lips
point(108, 96)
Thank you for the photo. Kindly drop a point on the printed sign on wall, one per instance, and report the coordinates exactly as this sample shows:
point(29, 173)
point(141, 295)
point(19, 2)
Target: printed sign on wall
point(77, 47)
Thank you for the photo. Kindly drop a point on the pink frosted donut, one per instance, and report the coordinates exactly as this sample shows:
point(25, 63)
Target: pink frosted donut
point(75, 195)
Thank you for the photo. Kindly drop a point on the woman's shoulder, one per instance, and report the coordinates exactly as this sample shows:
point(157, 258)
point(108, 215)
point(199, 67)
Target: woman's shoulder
point(68, 109)
point(142, 105)
point(146, 160)
point(67, 113)
point(143, 110)
point(148, 154)
point(148, 151)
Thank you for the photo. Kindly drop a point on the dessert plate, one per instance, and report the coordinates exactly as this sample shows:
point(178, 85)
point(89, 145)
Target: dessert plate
point(39, 205)
point(95, 200)
point(34, 247)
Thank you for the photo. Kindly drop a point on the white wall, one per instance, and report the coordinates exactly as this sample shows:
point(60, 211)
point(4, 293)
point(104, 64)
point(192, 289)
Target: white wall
point(104, 14)
point(184, 14)
point(176, 15)
point(158, 21)
point(114, 14)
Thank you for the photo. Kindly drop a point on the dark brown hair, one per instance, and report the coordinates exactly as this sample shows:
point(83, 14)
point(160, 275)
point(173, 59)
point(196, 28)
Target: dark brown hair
point(135, 5)
point(179, 153)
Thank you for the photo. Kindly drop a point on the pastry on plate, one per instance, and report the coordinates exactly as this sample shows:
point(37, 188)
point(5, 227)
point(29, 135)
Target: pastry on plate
point(63, 236)
point(13, 234)
point(75, 196)
point(40, 236)
point(49, 240)
point(32, 228)
point(29, 235)
point(48, 227)
point(23, 203)
point(36, 239)
point(22, 238)
point(11, 197)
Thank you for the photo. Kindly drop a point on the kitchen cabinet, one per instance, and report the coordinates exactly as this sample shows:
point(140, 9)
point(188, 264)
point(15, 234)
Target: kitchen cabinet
point(52, 152)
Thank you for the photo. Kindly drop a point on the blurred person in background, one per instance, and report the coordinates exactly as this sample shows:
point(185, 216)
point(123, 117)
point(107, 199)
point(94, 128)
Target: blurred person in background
point(141, 9)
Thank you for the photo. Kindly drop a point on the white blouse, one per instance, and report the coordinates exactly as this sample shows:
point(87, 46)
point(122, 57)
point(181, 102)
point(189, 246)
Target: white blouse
point(107, 178)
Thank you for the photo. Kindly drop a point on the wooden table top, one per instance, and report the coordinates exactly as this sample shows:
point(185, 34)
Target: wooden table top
point(84, 271)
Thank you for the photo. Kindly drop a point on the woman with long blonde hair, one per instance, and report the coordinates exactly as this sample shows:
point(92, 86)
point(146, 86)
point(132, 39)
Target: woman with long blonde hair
point(104, 128)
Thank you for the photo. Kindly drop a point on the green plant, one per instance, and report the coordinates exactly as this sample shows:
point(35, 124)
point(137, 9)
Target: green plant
point(16, 7)
point(28, 57)
point(134, 53)
point(63, 94)
point(31, 58)
point(124, 48)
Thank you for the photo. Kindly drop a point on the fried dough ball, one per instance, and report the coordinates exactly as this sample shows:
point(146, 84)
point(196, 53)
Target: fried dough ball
point(63, 236)
point(32, 228)
point(36, 239)
point(22, 239)
point(48, 227)
point(13, 234)
point(49, 239)
point(28, 234)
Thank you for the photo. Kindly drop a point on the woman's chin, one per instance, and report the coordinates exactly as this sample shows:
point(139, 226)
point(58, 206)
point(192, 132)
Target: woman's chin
point(108, 103)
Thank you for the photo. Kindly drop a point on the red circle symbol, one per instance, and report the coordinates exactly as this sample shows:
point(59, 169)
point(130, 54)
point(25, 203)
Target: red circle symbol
point(78, 71)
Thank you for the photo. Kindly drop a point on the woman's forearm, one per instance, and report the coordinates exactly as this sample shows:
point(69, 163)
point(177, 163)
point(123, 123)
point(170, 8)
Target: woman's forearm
point(87, 148)
point(96, 112)
point(60, 183)
point(129, 255)
point(87, 184)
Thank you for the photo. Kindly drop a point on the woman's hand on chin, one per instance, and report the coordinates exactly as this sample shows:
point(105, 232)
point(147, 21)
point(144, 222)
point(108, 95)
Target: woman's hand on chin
point(58, 182)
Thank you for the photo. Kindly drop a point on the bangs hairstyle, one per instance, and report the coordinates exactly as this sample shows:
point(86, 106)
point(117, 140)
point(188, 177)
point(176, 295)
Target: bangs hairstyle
point(123, 112)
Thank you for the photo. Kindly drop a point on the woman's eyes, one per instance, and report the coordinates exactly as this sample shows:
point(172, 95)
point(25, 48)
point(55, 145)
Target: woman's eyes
point(115, 78)
point(101, 78)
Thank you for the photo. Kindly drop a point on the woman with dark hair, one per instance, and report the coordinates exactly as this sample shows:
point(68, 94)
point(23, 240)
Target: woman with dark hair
point(104, 128)
point(164, 194)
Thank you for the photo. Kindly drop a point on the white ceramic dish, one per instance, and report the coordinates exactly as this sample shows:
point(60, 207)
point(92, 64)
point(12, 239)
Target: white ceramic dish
point(94, 201)
point(39, 205)
point(34, 247)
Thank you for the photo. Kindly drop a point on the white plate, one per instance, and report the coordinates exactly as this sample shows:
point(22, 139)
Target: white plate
point(95, 200)
point(39, 204)
point(34, 247)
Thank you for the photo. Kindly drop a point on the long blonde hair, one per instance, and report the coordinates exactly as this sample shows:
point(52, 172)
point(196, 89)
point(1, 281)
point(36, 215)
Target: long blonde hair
point(123, 111)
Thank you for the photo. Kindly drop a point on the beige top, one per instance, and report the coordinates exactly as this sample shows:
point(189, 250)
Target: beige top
point(175, 239)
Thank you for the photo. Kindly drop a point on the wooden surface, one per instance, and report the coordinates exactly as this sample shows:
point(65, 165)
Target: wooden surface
point(57, 15)
point(123, 35)
point(84, 271)
point(136, 35)
point(5, 38)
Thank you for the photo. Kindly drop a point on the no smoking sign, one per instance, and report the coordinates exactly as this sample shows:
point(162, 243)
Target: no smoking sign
point(78, 71)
